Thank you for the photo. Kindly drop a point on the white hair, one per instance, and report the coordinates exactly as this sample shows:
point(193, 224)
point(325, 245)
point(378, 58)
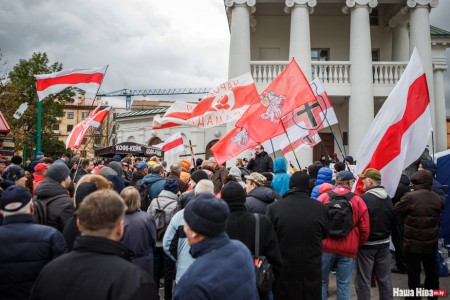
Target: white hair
point(23, 210)
point(204, 186)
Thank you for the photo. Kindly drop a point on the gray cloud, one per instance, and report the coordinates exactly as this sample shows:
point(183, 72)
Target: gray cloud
point(147, 44)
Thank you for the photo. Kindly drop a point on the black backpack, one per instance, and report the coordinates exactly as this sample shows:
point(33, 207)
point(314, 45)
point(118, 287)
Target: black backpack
point(340, 214)
point(145, 192)
point(40, 208)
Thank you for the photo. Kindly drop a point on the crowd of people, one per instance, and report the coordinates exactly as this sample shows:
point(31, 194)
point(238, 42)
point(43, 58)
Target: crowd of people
point(129, 228)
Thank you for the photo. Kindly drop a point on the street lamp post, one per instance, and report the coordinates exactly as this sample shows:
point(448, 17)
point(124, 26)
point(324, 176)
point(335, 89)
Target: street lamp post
point(24, 161)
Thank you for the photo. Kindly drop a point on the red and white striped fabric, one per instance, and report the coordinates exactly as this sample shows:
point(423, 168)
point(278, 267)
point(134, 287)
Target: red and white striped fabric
point(88, 80)
point(223, 104)
point(305, 120)
point(306, 142)
point(400, 131)
point(172, 146)
point(95, 119)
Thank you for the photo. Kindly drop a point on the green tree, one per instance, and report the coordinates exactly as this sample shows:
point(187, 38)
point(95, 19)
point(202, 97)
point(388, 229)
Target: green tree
point(20, 87)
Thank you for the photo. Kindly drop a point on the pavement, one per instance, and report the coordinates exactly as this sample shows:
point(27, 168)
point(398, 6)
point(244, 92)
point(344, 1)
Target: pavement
point(398, 281)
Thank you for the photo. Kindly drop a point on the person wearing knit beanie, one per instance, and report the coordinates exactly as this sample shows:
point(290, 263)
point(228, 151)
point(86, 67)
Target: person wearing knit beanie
point(198, 175)
point(299, 180)
point(215, 254)
point(105, 171)
point(232, 192)
point(207, 215)
point(58, 172)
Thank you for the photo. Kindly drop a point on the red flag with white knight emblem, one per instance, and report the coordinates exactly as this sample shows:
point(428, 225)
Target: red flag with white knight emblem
point(224, 103)
point(286, 92)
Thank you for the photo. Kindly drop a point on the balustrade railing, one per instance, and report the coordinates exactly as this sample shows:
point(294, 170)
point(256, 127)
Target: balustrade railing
point(330, 72)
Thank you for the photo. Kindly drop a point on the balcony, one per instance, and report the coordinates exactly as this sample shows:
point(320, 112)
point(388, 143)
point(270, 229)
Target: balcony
point(334, 74)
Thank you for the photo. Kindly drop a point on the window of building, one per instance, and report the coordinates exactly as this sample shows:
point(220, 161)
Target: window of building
point(84, 114)
point(69, 128)
point(83, 153)
point(55, 127)
point(320, 54)
point(70, 115)
point(373, 17)
point(84, 141)
point(375, 54)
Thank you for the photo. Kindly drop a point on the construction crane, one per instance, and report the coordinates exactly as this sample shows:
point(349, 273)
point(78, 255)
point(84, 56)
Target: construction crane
point(130, 93)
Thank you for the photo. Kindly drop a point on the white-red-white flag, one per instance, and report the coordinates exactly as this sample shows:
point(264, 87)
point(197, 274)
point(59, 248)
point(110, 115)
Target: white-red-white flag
point(223, 104)
point(400, 131)
point(173, 145)
point(88, 80)
point(95, 119)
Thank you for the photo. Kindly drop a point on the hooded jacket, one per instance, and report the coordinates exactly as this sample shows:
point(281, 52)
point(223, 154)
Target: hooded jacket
point(280, 182)
point(437, 186)
point(157, 184)
point(421, 210)
point(185, 166)
point(168, 200)
point(381, 215)
point(258, 199)
point(324, 175)
point(58, 203)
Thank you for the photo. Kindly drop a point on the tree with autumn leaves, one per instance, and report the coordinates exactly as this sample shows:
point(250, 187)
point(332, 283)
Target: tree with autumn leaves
point(18, 86)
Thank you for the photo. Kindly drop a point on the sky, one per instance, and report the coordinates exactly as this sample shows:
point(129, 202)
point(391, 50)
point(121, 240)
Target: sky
point(148, 44)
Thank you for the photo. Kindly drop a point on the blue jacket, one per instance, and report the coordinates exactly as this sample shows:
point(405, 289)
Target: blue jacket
point(223, 269)
point(280, 182)
point(176, 245)
point(139, 236)
point(25, 249)
point(324, 176)
point(157, 184)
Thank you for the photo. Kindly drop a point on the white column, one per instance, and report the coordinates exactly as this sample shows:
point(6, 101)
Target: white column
point(440, 129)
point(400, 40)
point(419, 26)
point(239, 62)
point(361, 105)
point(300, 49)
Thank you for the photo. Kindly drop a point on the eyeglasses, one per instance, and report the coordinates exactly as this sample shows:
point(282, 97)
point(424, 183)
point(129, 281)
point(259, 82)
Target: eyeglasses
point(256, 149)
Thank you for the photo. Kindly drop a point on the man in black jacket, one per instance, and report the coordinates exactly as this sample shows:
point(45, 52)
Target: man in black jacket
point(374, 255)
point(300, 224)
point(98, 266)
point(241, 226)
point(26, 247)
point(260, 161)
point(53, 194)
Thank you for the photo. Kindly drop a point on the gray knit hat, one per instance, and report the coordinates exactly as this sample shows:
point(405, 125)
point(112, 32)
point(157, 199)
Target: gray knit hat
point(105, 171)
point(58, 172)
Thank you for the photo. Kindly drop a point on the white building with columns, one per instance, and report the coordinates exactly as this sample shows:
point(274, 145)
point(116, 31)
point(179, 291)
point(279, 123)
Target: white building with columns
point(359, 48)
